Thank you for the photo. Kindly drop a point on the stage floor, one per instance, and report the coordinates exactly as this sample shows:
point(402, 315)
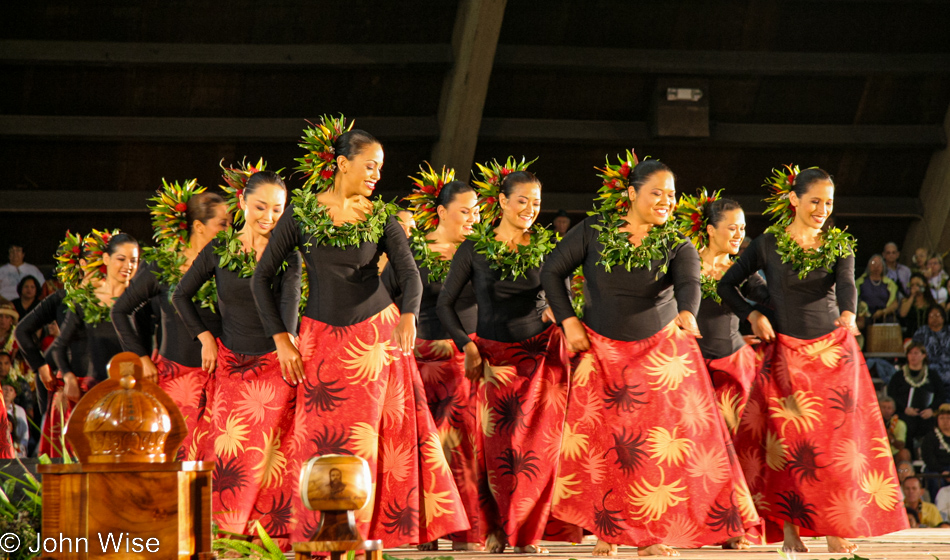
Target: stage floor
point(910, 544)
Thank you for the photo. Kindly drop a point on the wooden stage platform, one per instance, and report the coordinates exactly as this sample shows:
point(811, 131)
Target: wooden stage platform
point(912, 544)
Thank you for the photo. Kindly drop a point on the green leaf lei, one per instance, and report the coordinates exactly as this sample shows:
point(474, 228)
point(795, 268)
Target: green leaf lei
point(835, 244)
point(233, 256)
point(85, 298)
point(513, 263)
point(169, 263)
point(708, 285)
point(656, 246)
point(315, 223)
point(432, 260)
point(577, 292)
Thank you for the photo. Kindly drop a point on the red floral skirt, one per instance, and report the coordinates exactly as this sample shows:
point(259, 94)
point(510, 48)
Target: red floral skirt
point(522, 402)
point(451, 400)
point(6, 442)
point(184, 385)
point(246, 430)
point(58, 409)
point(732, 378)
point(646, 457)
point(812, 442)
point(363, 397)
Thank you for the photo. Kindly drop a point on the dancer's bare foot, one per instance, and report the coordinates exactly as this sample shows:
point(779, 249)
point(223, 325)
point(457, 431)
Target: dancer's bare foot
point(496, 541)
point(604, 548)
point(737, 543)
point(467, 547)
point(793, 542)
point(530, 549)
point(434, 545)
point(840, 545)
point(657, 550)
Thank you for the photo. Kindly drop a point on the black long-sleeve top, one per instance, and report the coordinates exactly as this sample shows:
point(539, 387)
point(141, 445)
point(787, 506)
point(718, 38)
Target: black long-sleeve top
point(803, 309)
point(508, 310)
point(429, 325)
point(102, 343)
point(621, 304)
point(720, 326)
point(345, 288)
point(177, 343)
point(50, 309)
point(935, 457)
point(242, 330)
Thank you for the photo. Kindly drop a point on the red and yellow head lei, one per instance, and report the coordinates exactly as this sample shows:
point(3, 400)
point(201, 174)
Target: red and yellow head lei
point(612, 194)
point(780, 185)
point(319, 165)
point(492, 174)
point(169, 211)
point(690, 216)
point(94, 247)
point(423, 201)
point(68, 253)
point(235, 179)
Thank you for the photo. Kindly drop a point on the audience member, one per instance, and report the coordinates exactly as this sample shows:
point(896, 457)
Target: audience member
point(937, 278)
point(943, 501)
point(913, 498)
point(19, 425)
point(919, 264)
point(936, 339)
point(912, 312)
point(562, 222)
point(894, 270)
point(896, 428)
point(14, 271)
point(913, 520)
point(935, 449)
point(28, 292)
point(877, 290)
point(916, 392)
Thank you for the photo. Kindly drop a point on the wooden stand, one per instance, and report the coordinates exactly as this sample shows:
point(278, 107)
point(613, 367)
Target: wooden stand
point(126, 498)
point(337, 534)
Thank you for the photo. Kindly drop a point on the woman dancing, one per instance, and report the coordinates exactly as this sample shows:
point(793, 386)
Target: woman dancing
point(520, 359)
point(812, 430)
point(247, 418)
point(358, 389)
point(640, 394)
point(178, 369)
point(445, 212)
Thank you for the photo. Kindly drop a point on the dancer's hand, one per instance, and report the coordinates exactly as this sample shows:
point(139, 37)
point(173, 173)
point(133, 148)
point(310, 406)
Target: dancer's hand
point(209, 351)
point(687, 322)
point(291, 364)
point(847, 321)
point(547, 316)
point(761, 326)
point(71, 387)
point(575, 334)
point(473, 362)
point(404, 334)
point(751, 339)
point(149, 371)
point(46, 377)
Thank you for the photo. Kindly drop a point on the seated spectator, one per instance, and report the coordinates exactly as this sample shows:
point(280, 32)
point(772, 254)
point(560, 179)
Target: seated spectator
point(935, 449)
point(895, 427)
point(562, 222)
point(894, 270)
point(20, 427)
point(877, 290)
point(29, 291)
point(936, 339)
point(912, 313)
point(919, 264)
point(913, 520)
point(937, 278)
point(15, 270)
point(926, 512)
point(944, 525)
point(943, 500)
point(916, 392)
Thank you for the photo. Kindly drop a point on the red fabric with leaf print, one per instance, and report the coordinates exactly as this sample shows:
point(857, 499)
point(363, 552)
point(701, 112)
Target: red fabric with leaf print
point(185, 386)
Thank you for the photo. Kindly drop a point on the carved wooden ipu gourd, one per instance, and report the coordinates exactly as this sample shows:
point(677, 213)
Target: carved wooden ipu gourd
point(337, 486)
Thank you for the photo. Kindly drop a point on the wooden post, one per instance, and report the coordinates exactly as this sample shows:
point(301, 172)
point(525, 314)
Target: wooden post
point(933, 231)
point(474, 41)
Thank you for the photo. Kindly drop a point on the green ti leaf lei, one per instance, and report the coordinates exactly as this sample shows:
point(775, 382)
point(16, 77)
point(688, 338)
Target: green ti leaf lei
point(708, 285)
point(618, 251)
point(577, 291)
point(316, 225)
point(835, 244)
point(432, 260)
point(85, 298)
point(513, 263)
point(232, 254)
point(169, 263)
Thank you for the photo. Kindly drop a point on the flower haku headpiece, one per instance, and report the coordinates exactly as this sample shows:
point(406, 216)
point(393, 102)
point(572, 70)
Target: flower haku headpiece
point(489, 187)
point(68, 253)
point(690, 216)
point(319, 165)
point(780, 185)
point(94, 247)
point(423, 201)
point(235, 180)
point(612, 194)
point(169, 211)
